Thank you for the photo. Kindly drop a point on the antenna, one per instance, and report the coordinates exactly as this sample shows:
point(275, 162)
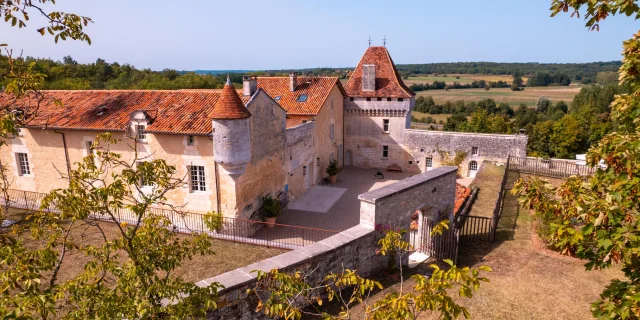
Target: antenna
point(384, 41)
point(369, 40)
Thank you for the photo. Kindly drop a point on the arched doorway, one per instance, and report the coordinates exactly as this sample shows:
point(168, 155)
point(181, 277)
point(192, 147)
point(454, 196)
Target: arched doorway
point(347, 158)
point(473, 169)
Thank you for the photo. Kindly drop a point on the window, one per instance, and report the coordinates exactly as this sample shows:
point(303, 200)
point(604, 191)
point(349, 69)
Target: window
point(191, 140)
point(144, 181)
point(23, 164)
point(331, 131)
point(318, 161)
point(385, 125)
point(385, 151)
point(473, 166)
point(474, 151)
point(302, 98)
point(142, 136)
point(277, 98)
point(379, 99)
point(197, 179)
point(304, 170)
point(428, 163)
point(351, 99)
point(89, 147)
point(410, 162)
point(368, 99)
point(388, 99)
point(20, 132)
point(400, 99)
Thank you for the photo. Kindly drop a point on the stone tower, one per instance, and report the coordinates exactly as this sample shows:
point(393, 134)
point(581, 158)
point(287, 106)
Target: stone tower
point(231, 132)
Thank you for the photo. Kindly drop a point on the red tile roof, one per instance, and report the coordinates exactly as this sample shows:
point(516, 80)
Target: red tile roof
point(229, 106)
point(389, 84)
point(317, 90)
point(177, 112)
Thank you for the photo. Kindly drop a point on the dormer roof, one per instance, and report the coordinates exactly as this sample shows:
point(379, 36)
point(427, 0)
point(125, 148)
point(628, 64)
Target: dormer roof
point(388, 83)
point(229, 106)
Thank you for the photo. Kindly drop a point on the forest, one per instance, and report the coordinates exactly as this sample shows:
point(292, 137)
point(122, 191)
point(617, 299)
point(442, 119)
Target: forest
point(556, 129)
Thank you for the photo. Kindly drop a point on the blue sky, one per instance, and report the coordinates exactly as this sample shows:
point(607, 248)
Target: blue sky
point(248, 34)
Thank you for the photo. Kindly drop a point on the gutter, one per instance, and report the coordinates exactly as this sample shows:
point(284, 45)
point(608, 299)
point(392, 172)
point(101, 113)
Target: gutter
point(66, 152)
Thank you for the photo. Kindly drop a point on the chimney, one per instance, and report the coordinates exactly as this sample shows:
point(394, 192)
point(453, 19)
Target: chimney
point(293, 79)
point(249, 85)
point(368, 77)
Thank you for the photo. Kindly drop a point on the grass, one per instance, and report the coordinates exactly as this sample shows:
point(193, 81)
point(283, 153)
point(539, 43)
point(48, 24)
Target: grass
point(529, 96)
point(488, 180)
point(228, 255)
point(528, 281)
point(436, 117)
point(463, 78)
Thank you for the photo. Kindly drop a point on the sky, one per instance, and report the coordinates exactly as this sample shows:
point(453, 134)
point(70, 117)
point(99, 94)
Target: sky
point(288, 34)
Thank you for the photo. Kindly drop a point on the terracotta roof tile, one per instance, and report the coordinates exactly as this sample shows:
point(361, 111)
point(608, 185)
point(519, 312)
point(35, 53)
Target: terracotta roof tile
point(229, 106)
point(389, 84)
point(317, 90)
point(171, 111)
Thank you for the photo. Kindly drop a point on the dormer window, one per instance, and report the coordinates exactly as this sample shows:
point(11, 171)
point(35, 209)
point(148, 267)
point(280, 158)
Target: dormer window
point(302, 98)
point(101, 110)
point(140, 133)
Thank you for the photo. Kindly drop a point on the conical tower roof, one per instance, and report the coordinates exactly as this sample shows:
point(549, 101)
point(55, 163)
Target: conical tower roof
point(229, 106)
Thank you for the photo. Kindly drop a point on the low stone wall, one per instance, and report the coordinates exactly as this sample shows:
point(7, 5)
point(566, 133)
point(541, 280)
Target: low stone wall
point(420, 144)
point(354, 248)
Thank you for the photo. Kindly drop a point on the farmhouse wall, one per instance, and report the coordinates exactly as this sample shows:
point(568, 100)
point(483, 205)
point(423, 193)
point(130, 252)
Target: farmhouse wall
point(300, 155)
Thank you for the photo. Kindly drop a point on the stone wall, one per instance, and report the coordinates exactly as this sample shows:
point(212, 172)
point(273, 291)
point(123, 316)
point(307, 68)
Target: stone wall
point(354, 248)
point(420, 144)
point(300, 157)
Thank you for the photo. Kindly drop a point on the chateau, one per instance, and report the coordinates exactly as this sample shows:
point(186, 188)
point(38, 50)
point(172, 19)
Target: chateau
point(275, 136)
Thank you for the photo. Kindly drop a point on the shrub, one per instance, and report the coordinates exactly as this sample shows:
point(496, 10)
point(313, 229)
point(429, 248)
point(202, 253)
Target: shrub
point(271, 207)
point(332, 169)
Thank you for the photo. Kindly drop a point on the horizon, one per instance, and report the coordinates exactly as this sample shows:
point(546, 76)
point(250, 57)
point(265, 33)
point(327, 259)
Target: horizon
point(326, 35)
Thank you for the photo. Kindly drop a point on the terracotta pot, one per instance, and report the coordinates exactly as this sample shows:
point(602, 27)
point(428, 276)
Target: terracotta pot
point(270, 221)
point(333, 179)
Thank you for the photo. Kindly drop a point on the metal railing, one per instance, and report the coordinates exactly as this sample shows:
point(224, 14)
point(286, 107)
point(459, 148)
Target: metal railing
point(554, 168)
point(231, 229)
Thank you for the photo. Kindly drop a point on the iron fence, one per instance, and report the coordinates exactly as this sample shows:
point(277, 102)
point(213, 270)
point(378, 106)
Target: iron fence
point(232, 229)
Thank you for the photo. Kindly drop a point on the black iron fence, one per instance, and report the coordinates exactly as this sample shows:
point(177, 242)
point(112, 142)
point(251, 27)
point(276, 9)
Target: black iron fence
point(231, 229)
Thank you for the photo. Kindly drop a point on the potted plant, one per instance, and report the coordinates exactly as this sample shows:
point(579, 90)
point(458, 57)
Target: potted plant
point(272, 209)
point(332, 171)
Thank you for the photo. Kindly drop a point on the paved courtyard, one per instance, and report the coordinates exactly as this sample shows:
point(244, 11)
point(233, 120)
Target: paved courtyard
point(336, 207)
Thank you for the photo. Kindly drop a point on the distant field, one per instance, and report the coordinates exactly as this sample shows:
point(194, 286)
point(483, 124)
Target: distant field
point(436, 117)
point(529, 96)
point(464, 78)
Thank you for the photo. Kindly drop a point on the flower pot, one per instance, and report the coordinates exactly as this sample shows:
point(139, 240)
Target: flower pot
point(270, 221)
point(333, 179)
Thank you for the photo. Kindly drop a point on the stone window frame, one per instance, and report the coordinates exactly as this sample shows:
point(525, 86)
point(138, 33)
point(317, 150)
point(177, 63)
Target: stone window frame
point(385, 152)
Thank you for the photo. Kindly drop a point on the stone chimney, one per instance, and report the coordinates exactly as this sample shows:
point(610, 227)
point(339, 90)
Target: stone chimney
point(293, 80)
point(249, 85)
point(368, 77)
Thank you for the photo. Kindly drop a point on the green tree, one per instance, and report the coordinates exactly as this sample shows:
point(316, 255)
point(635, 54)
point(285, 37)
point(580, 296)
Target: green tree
point(540, 139)
point(517, 82)
point(606, 77)
point(598, 218)
point(566, 138)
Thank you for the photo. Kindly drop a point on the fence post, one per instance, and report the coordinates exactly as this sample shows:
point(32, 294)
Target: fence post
point(26, 203)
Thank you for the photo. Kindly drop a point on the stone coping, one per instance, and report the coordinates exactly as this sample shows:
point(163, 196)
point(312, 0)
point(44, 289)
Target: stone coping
point(452, 133)
point(405, 184)
point(242, 276)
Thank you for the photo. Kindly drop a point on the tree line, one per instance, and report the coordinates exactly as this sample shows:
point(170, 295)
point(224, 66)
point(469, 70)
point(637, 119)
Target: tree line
point(439, 85)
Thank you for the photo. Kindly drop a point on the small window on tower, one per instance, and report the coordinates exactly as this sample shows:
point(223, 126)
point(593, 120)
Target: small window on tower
point(302, 98)
point(368, 99)
point(385, 151)
point(351, 99)
point(191, 140)
point(400, 99)
point(388, 99)
point(385, 125)
point(379, 99)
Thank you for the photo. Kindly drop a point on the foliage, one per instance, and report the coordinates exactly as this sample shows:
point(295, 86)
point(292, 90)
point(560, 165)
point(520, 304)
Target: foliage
point(332, 168)
point(606, 77)
point(482, 122)
point(598, 219)
point(271, 207)
point(213, 220)
point(294, 296)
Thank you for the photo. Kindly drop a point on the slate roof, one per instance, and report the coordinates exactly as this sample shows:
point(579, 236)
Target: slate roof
point(171, 111)
point(389, 84)
point(317, 90)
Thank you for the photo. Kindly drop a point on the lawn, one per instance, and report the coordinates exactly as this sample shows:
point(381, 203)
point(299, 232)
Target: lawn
point(228, 255)
point(528, 281)
point(529, 96)
point(488, 180)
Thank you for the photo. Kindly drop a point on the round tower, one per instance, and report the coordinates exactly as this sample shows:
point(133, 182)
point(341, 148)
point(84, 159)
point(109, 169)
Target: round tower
point(231, 132)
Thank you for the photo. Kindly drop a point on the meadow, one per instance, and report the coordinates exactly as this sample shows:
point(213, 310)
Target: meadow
point(463, 78)
point(528, 96)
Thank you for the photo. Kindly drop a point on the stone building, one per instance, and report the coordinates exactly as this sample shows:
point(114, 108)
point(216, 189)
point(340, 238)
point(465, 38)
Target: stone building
point(274, 137)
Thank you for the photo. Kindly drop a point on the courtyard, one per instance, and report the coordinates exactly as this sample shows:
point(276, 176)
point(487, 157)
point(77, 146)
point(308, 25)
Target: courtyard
point(336, 207)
